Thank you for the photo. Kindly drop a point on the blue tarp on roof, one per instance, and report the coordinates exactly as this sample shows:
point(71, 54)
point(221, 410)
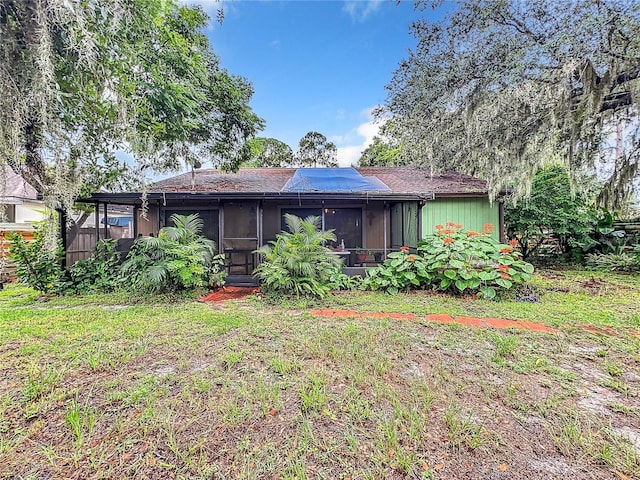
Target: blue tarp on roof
point(331, 180)
point(118, 221)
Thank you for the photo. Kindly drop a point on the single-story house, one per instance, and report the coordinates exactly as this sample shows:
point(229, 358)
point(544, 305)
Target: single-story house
point(372, 210)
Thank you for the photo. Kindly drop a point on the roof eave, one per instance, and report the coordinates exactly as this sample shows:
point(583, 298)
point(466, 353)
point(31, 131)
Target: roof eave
point(136, 198)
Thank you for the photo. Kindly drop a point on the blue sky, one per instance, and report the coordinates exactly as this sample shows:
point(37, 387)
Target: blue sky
point(315, 65)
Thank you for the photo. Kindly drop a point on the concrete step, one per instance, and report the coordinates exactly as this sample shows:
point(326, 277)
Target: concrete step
point(241, 281)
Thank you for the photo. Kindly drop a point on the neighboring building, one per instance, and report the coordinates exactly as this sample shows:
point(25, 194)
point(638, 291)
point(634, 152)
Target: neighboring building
point(372, 209)
point(19, 201)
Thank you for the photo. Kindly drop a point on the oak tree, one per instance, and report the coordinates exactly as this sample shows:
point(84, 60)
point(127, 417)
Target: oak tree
point(80, 81)
point(500, 88)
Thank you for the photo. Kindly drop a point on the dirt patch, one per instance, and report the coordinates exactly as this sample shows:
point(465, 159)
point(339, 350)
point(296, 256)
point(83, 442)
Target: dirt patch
point(438, 318)
point(228, 293)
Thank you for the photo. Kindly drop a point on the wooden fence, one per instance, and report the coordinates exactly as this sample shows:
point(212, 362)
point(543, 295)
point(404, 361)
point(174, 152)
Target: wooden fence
point(7, 267)
point(82, 246)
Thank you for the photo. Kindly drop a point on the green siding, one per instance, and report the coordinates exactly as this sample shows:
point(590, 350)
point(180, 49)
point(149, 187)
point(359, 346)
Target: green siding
point(472, 213)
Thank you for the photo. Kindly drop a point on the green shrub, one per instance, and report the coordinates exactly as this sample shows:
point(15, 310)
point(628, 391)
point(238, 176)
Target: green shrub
point(453, 260)
point(99, 273)
point(297, 262)
point(179, 258)
point(624, 262)
point(553, 210)
point(401, 270)
point(36, 265)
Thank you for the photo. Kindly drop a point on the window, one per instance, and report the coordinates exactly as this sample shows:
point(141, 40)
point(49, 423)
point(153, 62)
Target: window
point(7, 213)
point(209, 218)
point(347, 223)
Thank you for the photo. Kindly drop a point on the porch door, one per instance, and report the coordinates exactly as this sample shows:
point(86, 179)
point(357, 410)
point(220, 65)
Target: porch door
point(347, 223)
point(404, 224)
point(240, 236)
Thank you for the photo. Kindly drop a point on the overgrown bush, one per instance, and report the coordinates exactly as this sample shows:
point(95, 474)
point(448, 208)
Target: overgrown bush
point(38, 266)
point(99, 273)
point(623, 261)
point(179, 258)
point(453, 260)
point(297, 262)
point(552, 210)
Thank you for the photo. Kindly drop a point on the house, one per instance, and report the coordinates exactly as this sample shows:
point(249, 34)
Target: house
point(372, 210)
point(19, 201)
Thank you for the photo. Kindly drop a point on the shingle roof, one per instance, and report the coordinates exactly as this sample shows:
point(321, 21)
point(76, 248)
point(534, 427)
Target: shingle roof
point(400, 180)
point(250, 180)
point(16, 187)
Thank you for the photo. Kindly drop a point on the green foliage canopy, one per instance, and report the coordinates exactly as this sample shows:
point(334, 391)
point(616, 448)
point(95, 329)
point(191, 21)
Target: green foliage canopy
point(499, 88)
point(269, 152)
point(315, 150)
point(380, 153)
point(81, 80)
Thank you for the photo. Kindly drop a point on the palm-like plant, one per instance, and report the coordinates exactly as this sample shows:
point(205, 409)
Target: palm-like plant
point(298, 261)
point(178, 258)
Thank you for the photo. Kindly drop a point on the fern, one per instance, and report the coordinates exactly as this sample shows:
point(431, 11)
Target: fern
point(297, 262)
point(179, 258)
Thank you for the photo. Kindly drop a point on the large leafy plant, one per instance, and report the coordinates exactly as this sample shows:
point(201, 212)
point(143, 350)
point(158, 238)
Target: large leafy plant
point(298, 263)
point(179, 258)
point(453, 260)
point(462, 260)
point(37, 265)
point(99, 273)
point(401, 270)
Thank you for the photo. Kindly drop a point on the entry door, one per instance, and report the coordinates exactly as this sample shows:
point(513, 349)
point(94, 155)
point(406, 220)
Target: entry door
point(240, 236)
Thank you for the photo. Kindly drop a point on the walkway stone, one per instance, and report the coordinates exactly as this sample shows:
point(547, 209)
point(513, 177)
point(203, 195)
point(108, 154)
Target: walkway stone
point(439, 318)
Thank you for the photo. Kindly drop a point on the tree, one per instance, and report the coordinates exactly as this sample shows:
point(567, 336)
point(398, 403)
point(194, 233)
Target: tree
point(269, 152)
point(82, 80)
point(499, 88)
point(385, 150)
point(551, 209)
point(314, 149)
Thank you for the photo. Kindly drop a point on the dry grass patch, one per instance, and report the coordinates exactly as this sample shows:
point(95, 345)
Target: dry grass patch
point(189, 390)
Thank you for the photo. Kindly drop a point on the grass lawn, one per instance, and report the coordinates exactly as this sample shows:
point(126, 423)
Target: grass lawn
point(117, 387)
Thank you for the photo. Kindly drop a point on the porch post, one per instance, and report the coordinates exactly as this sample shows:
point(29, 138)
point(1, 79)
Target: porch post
point(97, 221)
point(135, 221)
point(106, 221)
point(384, 228)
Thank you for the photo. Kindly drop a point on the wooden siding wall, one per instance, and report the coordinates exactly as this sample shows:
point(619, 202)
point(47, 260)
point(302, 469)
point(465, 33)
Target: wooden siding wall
point(149, 225)
point(8, 272)
point(472, 213)
point(373, 226)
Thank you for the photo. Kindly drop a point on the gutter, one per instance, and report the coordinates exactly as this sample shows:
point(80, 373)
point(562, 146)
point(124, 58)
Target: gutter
point(136, 198)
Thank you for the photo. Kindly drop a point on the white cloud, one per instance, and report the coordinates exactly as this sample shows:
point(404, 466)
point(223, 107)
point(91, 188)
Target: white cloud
point(360, 10)
point(274, 43)
point(349, 153)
